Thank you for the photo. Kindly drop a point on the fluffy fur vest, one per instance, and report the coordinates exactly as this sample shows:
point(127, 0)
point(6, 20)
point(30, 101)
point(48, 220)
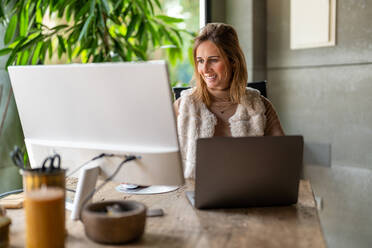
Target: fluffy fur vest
point(195, 121)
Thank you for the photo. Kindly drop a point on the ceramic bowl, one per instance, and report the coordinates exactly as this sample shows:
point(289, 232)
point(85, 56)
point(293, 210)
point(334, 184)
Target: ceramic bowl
point(114, 222)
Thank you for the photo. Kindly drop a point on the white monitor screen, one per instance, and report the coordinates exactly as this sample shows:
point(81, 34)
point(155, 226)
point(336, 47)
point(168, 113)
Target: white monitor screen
point(80, 110)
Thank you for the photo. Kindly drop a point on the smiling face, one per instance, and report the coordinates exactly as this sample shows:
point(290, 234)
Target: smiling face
point(212, 66)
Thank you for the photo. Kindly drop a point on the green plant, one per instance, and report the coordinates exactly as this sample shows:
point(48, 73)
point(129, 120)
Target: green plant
point(91, 31)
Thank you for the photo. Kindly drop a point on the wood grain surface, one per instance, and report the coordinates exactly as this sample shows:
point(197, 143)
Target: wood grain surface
point(183, 226)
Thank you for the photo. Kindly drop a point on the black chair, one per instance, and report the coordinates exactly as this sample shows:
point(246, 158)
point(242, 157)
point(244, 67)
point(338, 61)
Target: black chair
point(259, 85)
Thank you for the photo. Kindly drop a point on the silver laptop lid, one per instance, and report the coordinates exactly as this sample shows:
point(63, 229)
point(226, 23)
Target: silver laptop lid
point(247, 171)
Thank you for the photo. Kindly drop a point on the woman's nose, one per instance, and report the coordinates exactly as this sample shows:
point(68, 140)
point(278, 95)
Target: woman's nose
point(206, 67)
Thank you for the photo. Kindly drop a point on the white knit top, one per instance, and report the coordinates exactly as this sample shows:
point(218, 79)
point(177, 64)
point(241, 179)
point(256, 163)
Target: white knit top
point(195, 121)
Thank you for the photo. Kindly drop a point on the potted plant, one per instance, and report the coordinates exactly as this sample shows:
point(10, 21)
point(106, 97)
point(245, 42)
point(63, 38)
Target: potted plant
point(64, 31)
point(91, 31)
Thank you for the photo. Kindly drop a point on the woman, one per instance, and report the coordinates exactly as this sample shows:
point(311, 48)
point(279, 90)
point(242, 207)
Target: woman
point(220, 104)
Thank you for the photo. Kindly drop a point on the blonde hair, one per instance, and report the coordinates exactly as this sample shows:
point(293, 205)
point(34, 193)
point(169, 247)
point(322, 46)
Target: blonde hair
point(226, 39)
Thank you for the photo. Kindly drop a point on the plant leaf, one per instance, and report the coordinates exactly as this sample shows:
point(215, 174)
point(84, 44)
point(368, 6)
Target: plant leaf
point(17, 40)
point(118, 6)
point(154, 36)
point(141, 30)
point(170, 37)
point(141, 7)
point(16, 49)
point(50, 49)
point(59, 27)
point(5, 51)
point(131, 26)
point(169, 19)
point(68, 13)
point(2, 12)
point(82, 11)
point(35, 56)
point(9, 33)
point(92, 7)
point(101, 21)
point(127, 9)
point(43, 51)
point(61, 43)
point(84, 56)
point(32, 41)
point(39, 14)
point(76, 51)
point(85, 28)
point(158, 3)
point(24, 57)
point(69, 51)
point(106, 6)
point(119, 48)
point(23, 24)
point(139, 53)
point(59, 50)
point(178, 35)
point(151, 7)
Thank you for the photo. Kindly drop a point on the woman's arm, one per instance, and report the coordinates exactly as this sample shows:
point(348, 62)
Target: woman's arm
point(273, 126)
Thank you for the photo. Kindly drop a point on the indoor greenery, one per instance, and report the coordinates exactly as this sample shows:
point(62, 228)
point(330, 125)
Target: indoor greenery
point(88, 31)
point(38, 31)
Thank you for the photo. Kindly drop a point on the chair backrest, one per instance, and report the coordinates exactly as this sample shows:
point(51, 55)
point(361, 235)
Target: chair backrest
point(259, 85)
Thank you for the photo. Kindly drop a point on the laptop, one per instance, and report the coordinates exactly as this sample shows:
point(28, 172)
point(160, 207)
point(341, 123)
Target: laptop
point(247, 172)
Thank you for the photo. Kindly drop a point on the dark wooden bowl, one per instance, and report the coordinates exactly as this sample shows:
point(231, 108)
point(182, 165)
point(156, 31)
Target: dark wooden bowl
point(122, 226)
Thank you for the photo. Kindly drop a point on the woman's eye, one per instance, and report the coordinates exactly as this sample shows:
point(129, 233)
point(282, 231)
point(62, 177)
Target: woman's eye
point(200, 61)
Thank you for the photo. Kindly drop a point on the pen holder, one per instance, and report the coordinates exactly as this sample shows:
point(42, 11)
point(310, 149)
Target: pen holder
point(44, 207)
point(45, 217)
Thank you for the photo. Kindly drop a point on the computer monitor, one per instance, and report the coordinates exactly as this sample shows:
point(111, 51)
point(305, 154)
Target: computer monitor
point(82, 110)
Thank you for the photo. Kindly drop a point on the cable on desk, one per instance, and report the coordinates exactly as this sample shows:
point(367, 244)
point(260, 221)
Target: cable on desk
point(90, 195)
point(2, 195)
point(95, 158)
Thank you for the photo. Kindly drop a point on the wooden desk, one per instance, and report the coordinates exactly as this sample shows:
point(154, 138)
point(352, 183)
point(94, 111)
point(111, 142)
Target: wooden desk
point(184, 226)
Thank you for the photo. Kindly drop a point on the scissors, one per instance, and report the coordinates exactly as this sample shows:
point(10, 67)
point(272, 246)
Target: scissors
point(17, 157)
point(52, 163)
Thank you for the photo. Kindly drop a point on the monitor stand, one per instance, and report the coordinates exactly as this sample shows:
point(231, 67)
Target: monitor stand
point(145, 190)
point(87, 182)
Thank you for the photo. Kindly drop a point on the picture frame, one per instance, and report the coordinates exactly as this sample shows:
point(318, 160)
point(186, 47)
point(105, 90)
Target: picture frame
point(312, 23)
